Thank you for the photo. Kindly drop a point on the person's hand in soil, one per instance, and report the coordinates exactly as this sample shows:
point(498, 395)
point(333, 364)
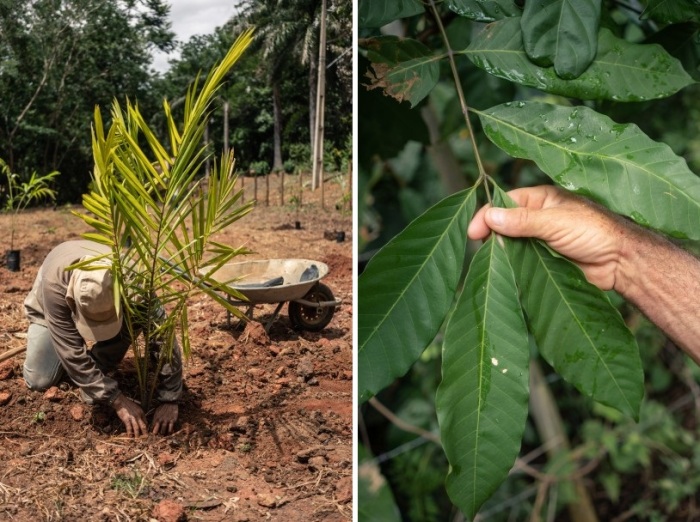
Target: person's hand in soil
point(165, 418)
point(657, 276)
point(131, 415)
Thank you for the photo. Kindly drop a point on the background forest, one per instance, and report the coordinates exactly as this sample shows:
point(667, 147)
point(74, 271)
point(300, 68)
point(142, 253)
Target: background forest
point(60, 58)
point(579, 460)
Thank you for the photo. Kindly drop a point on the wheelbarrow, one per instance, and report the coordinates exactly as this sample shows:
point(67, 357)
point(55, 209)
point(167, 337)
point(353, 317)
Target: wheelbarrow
point(279, 281)
point(274, 281)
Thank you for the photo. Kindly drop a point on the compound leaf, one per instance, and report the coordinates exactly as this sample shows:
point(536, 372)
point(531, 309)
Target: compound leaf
point(617, 165)
point(407, 289)
point(376, 13)
point(402, 68)
point(484, 10)
point(563, 33)
point(482, 400)
point(621, 71)
point(576, 328)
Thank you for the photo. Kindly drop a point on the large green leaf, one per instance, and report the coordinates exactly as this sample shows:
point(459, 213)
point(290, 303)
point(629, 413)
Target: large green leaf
point(588, 153)
point(576, 328)
point(376, 13)
point(407, 289)
point(621, 71)
point(578, 331)
point(665, 11)
point(484, 10)
point(404, 69)
point(563, 33)
point(482, 400)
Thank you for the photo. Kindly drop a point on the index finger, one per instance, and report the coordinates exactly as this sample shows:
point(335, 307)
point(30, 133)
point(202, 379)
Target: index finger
point(141, 427)
point(163, 427)
point(478, 229)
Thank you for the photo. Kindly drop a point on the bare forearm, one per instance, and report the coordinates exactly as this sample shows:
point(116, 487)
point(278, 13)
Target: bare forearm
point(663, 281)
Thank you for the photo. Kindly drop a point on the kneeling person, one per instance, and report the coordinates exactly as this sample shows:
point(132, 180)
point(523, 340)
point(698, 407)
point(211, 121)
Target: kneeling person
point(66, 308)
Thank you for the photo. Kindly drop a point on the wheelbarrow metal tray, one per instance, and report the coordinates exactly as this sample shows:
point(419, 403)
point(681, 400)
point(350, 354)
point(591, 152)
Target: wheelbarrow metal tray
point(253, 278)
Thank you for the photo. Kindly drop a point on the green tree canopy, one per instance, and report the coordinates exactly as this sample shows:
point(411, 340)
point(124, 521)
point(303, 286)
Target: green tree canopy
point(58, 59)
point(279, 58)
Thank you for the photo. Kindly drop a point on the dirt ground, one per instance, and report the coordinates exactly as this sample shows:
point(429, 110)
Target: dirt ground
point(265, 427)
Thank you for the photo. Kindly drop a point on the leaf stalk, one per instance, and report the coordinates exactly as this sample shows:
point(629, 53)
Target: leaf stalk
point(462, 101)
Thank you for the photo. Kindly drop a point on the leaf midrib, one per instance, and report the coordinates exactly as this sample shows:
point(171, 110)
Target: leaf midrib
point(582, 154)
point(581, 79)
point(401, 66)
point(623, 67)
point(482, 363)
point(578, 322)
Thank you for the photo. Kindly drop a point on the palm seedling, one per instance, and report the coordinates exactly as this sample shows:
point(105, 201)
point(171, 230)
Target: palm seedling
point(158, 218)
point(20, 195)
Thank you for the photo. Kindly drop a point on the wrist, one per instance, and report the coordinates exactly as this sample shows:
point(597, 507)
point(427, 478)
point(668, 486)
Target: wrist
point(625, 267)
point(117, 400)
point(642, 253)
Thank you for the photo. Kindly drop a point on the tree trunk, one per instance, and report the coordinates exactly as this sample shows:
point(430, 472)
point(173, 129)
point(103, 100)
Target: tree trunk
point(277, 162)
point(313, 64)
point(317, 172)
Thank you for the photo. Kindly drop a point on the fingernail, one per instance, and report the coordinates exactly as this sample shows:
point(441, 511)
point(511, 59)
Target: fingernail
point(497, 216)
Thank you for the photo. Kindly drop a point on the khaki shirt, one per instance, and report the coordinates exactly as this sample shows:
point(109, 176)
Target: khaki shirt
point(46, 305)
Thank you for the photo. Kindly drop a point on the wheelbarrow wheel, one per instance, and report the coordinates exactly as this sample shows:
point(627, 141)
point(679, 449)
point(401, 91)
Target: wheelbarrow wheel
point(312, 318)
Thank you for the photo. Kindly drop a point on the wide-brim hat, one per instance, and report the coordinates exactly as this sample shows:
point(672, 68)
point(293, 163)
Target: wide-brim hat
point(91, 294)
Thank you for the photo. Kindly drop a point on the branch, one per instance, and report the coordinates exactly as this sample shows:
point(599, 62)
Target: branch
point(462, 99)
point(551, 427)
point(42, 82)
point(401, 424)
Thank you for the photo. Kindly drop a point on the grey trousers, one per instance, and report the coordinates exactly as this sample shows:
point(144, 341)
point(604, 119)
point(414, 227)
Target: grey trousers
point(43, 368)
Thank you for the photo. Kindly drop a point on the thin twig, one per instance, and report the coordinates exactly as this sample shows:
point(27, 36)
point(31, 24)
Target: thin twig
point(401, 424)
point(363, 431)
point(539, 501)
point(462, 99)
point(552, 508)
point(11, 353)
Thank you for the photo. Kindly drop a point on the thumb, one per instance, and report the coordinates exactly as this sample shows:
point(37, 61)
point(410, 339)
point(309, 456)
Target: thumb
point(516, 222)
